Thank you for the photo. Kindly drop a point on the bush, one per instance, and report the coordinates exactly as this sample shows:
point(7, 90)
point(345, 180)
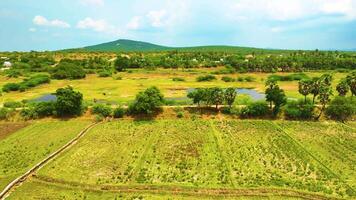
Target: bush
point(27, 83)
point(290, 77)
point(180, 115)
point(178, 79)
point(341, 108)
point(249, 79)
point(299, 109)
point(206, 78)
point(13, 104)
point(240, 79)
point(8, 87)
point(38, 110)
point(29, 113)
point(227, 79)
point(4, 113)
point(119, 112)
point(104, 74)
point(255, 109)
point(102, 109)
point(44, 109)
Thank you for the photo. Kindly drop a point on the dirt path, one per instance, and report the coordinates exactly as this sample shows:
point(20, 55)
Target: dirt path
point(18, 181)
point(186, 191)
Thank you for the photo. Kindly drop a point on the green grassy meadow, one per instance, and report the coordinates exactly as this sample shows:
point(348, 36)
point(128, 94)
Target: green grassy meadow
point(211, 159)
point(123, 91)
point(23, 149)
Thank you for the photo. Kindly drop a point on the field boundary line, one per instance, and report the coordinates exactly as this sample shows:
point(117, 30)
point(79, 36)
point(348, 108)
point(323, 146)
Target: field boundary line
point(310, 154)
point(223, 156)
point(19, 180)
point(183, 190)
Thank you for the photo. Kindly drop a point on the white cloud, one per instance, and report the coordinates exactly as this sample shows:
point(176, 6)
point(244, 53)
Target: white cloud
point(134, 23)
point(100, 25)
point(92, 2)
point(32, 29)
point(283, 10)
point(157, 18)
point(42, 21)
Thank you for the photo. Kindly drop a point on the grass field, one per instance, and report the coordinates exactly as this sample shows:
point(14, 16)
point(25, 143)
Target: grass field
point(122, 91)
point(23, 149)
point(187, 159)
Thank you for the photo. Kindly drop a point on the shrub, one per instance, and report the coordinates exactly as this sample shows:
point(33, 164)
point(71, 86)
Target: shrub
point(341, 108)
point(240, 79)
point(104, 74)
point(11, 87)
point(102, 109)
point(178, 79)
point(227, 79)
point(249, 79)
point(27, 83)
point(180, 114)
point(119, 112)
point(206, 78)
point(13, 104)
point(29, 113)
point(290, 77)
point(44, 109)
point(147, 102)
point(4, 113)
point(300, 109)
point(255, 109)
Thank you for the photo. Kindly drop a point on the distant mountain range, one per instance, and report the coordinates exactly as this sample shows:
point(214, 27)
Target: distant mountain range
point(123, 45)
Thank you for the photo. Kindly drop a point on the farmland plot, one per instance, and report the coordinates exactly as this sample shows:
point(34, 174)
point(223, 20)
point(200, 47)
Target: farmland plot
point(108, 154)
point(166, 152)
point(23, 149)
point(211, 158)
point(262, 155)
point(331, 143)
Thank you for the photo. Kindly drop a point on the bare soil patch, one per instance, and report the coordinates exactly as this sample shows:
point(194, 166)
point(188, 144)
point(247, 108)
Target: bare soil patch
point(7, 128)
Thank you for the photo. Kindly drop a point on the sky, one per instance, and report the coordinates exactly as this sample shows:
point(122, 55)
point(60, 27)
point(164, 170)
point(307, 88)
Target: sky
point(294, 24)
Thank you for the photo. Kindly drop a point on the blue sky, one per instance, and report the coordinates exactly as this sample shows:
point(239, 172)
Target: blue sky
point(293, 24)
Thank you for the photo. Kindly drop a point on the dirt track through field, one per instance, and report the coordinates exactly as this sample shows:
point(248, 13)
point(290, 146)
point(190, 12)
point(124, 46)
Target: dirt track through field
point(176, 190)
point(18, 181)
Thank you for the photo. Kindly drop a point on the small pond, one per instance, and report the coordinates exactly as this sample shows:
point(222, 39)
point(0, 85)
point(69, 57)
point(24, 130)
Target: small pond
point(45, 98)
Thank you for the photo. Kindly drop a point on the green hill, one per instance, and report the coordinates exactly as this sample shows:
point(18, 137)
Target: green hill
point(126, 45)
point(138, 46)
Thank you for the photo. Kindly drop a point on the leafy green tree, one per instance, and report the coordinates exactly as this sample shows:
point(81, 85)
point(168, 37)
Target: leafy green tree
point(68, 70)
point(341, 108)
point(343, 88)
point(122, 63)
point(325, 93)
point(304, 88)
point(69, 102)
point(197, 96)
point(351, 81)
point(275, 96)
point(230, 96)
point(147, 102)
point(216, 96)
point(315, 87)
